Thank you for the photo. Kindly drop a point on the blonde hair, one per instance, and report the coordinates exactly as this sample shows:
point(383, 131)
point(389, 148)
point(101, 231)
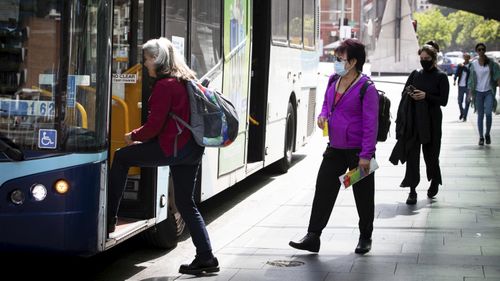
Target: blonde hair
point(168, 60)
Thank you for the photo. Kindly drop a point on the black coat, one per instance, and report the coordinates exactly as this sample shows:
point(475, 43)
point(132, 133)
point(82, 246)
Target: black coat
point(419, 122)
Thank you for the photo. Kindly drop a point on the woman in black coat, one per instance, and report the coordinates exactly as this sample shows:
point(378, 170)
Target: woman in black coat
point(418, 122)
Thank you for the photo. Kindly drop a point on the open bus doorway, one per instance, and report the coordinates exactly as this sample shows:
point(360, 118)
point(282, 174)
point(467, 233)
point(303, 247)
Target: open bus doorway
point(146, 199)
point(261, 21)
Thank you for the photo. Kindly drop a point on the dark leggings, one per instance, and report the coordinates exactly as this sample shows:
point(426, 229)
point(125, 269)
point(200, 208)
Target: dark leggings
point(335, 163)
point(184, 169)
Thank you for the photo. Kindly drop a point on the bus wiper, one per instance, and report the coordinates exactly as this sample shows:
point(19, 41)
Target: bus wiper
point(11, 152)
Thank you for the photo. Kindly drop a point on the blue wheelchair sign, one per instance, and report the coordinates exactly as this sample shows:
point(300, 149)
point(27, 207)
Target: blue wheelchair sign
point(47, 138)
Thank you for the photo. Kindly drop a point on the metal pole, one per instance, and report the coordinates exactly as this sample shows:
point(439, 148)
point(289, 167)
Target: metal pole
point(342, 8)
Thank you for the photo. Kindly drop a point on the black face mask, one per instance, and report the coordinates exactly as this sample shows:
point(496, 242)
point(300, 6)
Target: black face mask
point(426, 64)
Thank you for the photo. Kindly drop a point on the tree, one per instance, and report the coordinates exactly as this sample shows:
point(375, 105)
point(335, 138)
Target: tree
point(432, 25)
point(488, 32)
point(469, 29)
point(459, 30)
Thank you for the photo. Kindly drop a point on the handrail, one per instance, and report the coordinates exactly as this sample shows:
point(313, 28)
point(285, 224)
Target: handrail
point(117, 99)
point(134, 69)
point(83, 113)
point(125, 110)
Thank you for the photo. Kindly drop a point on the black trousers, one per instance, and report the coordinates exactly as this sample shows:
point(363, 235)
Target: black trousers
point(184, 169)
point(431, 151)
point(335, 163)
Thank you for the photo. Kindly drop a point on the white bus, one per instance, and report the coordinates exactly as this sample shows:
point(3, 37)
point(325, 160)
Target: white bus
point(261, 54)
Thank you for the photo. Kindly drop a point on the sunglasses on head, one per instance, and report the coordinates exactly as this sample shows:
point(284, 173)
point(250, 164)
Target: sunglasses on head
point(481, 49)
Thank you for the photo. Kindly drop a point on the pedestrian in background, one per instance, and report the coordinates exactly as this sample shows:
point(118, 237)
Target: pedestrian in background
point(483, 80)
point(352, 125)
point(153, 145)
point(462, 74)
point(418, 122)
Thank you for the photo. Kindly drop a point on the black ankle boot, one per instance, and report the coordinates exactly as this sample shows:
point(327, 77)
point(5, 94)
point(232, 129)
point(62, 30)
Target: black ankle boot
point(488, 139)
point(364, 246)
point(481, 141)
point(433, 189)
point(412, 199)
point(198, 266)
point(310, 242)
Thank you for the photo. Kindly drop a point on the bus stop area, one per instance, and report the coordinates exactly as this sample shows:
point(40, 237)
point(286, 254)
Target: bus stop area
point(455, 236)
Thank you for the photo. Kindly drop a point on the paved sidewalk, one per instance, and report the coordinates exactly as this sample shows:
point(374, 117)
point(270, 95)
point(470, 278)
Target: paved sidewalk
point(453, 237)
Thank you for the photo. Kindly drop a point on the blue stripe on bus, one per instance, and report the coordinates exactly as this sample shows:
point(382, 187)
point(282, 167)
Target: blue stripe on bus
point(12, 170)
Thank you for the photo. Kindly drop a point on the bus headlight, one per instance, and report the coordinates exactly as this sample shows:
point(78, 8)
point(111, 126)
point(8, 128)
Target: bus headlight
point(39, 192)
point(61, 186)
point(17, 197)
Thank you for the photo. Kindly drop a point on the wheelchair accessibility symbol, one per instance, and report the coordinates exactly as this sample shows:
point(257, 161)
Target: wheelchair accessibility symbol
point(47, 138)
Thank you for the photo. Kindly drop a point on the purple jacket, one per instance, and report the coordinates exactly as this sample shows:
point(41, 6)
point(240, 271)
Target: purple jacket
point(352, 124)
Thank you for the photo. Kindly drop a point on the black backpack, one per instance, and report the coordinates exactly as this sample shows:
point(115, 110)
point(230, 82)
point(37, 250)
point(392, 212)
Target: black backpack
point(384, 111)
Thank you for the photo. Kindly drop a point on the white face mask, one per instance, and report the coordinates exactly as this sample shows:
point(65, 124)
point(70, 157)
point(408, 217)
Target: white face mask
point(339, 67)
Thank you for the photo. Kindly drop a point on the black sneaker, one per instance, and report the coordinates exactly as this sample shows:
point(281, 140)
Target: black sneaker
point(481, 141)
point(412, 199)
point(488, 139)
point(310, 242)
point(198, 266)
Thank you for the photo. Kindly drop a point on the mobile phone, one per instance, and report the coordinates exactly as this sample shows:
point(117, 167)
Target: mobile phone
point(410, 89)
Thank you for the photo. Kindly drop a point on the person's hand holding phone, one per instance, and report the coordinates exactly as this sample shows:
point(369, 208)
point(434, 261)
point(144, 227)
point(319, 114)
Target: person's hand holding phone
point(414, 93)
point(418, 95)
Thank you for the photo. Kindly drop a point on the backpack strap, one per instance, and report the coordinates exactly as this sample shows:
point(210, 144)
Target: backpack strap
point(179, 129)
point(365, 86)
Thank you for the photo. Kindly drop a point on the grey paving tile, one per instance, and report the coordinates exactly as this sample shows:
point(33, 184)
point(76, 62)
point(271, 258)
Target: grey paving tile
point(245, 261)
point(443, 259)
point(369, 266)
point(357, 276)
point(485, 232)
point(278, 275)
point(492, 271)
point(438, 271)
point(491, 250)
point(237, 251)
point(429, 248)
point(481, 279)
point(477, 241)
point(389, 257)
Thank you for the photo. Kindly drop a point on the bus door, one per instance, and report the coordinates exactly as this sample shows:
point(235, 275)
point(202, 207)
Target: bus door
point(261, 22)
point(237, 43)
point(129, 111)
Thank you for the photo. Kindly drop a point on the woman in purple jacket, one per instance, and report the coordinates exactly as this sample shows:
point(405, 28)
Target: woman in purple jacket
point(352, 125)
